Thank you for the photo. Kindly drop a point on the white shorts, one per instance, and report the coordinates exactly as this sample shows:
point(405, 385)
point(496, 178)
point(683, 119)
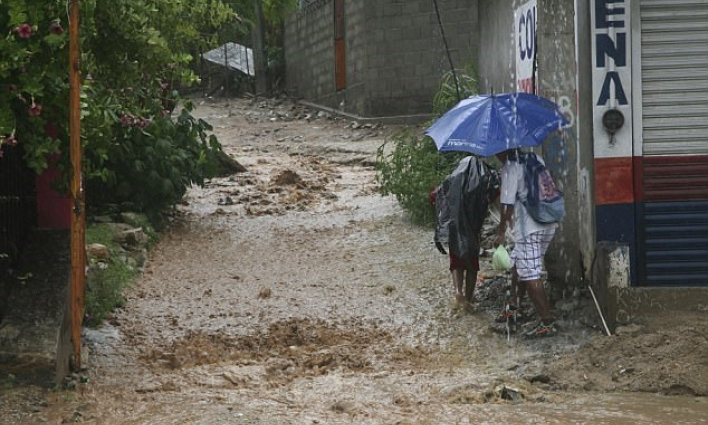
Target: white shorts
point(527, 255)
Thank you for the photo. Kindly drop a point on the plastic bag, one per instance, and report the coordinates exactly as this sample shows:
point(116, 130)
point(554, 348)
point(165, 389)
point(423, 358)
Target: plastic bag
point(500, 259)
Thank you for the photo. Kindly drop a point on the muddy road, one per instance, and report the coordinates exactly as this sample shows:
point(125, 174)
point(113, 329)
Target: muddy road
point(295, 294)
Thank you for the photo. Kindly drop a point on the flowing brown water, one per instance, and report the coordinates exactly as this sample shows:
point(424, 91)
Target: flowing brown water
point(309, 299)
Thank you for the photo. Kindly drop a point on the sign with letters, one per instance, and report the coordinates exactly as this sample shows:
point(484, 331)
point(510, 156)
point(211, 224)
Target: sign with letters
point(611, 76)
point(525, 45)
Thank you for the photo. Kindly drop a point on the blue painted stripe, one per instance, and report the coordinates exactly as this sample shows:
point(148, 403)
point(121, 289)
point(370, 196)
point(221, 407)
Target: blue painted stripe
point(617, 223)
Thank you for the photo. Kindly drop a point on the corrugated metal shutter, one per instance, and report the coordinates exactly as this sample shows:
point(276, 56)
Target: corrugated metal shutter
point(674, 76)
point(673, 233)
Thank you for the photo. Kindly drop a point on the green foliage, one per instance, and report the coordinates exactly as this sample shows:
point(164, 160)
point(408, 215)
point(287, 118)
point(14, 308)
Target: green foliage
point(446, 97)
point(105, 290)
point(106, 284)
point(147, 165)
point(412, 166)
point(410, 170)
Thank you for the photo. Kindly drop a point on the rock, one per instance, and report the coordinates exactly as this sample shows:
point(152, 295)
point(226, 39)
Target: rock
point(131, 237)
point(139, 257)
point(567, 305)
point(630, 329)
point(102, 219)
point(342, 406)
point(119, 227)
point(508, 393)
point(98, 251)
point(544, 379)
point(134, 219)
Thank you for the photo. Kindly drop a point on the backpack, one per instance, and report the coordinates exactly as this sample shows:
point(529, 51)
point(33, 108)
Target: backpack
point(544, 202)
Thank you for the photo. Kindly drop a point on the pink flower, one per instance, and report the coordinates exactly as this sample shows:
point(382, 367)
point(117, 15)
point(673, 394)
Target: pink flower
point(11, 140)
point(24, 31)
point(126, 120)
point(34, 110)
point(142, 123)
point(56, 28)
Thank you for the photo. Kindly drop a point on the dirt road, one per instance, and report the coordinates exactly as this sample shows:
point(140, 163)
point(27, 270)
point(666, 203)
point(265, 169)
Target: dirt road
point(296, 294)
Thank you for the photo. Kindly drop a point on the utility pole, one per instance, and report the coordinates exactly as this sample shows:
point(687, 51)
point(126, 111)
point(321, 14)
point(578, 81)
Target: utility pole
point(78, 217)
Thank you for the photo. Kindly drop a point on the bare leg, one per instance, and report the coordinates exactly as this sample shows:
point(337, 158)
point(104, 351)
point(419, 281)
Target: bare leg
point(517, 288)
point(470, 284)
point(540, 300)
point(458, 279)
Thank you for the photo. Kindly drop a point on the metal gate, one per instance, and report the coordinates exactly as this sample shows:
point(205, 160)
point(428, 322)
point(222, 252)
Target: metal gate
point(672, 172)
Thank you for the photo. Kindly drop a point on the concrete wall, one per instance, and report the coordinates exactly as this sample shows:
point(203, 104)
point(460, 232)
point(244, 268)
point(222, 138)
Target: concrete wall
point(395, 55)
point(556, 57)
point(584, 119)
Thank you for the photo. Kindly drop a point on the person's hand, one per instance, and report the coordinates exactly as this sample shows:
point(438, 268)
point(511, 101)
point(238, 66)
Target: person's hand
point(499, 240)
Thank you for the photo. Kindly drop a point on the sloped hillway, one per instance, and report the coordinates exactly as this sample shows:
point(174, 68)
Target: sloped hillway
point(294, 293)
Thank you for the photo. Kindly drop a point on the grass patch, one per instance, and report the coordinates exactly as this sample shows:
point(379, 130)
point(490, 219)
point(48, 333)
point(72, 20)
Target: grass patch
point(108, 278)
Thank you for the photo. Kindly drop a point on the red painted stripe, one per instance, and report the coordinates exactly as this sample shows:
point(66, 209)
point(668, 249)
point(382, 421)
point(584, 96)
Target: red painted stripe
point(613, 181)
point(672, 178)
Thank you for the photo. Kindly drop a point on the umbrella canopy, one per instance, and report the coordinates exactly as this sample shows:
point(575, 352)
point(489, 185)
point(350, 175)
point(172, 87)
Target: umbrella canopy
point(489, 124)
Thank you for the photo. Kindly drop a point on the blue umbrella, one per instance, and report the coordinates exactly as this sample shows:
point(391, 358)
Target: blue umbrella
point(489, 124)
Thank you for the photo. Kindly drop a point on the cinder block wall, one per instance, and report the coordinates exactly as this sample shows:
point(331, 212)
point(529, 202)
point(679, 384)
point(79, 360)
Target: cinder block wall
point(309, 52)
point(395, 54)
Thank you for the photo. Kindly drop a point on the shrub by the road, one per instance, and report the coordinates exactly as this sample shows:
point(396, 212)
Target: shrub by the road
point(409, 166)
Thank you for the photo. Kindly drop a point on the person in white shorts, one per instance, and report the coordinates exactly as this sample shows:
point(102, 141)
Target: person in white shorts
point(531, 240)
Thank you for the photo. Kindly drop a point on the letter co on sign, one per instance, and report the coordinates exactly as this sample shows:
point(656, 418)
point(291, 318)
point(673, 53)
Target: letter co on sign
point(525, 23)
point(527, 34)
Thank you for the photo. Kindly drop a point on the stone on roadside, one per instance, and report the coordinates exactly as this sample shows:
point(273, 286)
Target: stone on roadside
point(630, 329)
point(98, 251)
point(133, 238)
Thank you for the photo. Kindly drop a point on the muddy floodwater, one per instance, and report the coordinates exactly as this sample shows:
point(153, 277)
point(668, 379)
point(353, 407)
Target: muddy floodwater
point(295, 293)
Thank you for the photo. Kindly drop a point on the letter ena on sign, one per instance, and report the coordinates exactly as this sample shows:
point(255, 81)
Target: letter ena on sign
point(611, 15)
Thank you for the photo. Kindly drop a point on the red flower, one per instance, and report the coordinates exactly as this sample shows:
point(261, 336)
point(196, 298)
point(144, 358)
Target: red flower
point(56, 28)
point(35, 110)
point(24, 31)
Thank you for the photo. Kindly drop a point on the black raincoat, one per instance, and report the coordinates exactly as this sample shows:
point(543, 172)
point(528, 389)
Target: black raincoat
point(461, 203)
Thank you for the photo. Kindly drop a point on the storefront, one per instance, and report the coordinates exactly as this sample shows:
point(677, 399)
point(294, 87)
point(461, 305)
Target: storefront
point(650, 136)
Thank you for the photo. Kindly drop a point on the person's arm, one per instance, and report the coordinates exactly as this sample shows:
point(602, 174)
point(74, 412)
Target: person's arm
point(507, 198)
point(504, 218)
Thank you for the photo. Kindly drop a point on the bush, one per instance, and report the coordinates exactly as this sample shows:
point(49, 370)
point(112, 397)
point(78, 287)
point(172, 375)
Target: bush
point(412, 166)
point(147, 165)
point(411, 170)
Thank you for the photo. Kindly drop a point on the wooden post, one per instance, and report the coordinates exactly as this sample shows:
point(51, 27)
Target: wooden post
point(78, 222)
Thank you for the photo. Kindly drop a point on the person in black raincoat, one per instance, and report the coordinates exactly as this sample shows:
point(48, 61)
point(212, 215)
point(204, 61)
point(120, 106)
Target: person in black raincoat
point(461, 205)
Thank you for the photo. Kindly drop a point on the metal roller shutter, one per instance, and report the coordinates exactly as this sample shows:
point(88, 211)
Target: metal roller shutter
point(673, 214)
point(674, 76)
